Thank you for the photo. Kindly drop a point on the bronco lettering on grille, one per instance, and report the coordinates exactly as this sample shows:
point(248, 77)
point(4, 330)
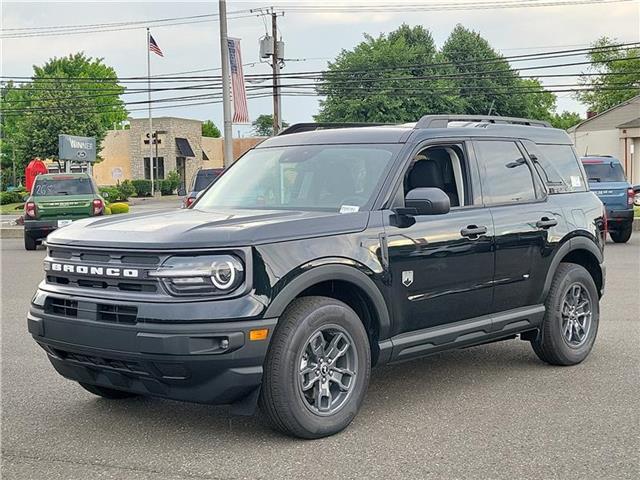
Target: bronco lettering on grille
point(92, 270)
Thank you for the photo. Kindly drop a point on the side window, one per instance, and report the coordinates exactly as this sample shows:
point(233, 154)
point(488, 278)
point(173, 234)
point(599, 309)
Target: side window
point(558, 167)
point(507, 176)
point(444, 167)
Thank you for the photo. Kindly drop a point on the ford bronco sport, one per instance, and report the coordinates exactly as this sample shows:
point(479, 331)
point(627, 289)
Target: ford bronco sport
point(322, 253)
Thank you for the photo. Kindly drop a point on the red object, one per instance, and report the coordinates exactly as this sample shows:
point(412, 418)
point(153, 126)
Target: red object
point(30, 209)
point(630, 194)
point(98, 206)
point(36, 167)
point(189, 201)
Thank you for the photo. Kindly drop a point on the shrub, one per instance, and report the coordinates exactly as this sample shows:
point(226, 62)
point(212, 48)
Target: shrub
point(113, 194)
point(119, 208)
point(143, 187)
point(127, 189)
point(11, 197)
point(107, 210)
point(170, 183)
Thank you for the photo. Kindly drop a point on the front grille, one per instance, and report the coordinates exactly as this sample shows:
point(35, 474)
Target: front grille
point(102, 362)
point(83, 257)
point(100, 312)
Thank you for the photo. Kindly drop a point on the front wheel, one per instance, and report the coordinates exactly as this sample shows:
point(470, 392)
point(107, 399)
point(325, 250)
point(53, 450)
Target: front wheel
point(571, 319)
point(623, 235)
point(317, 369)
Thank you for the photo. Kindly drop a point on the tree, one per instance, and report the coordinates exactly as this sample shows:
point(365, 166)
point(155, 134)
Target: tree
point(75, 95)
point(618, 78)
point(401, 76)
point(383, 80)
point(565, 120)
point(263, 125)
point(209, 129)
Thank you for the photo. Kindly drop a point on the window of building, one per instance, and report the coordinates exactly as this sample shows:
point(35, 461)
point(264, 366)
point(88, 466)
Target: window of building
point(158, 168)
point(507, 176)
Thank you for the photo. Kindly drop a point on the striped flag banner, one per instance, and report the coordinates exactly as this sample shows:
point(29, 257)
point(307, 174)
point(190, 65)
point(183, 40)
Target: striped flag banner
point(240, 109)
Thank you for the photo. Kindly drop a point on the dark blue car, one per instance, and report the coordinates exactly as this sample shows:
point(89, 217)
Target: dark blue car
point(606, 179)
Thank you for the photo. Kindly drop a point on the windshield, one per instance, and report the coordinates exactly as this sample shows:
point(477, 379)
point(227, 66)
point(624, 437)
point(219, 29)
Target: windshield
point(54, 186)
point(604, 172)
point(341, 178)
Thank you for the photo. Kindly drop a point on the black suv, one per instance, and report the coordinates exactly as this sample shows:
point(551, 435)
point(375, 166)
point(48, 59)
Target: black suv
point(322, 253)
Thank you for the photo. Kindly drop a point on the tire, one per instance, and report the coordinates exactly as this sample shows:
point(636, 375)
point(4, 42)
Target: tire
point(30, 243)
point(623, 235)
point(552, 345)
point(315, 321)
point(104, 392)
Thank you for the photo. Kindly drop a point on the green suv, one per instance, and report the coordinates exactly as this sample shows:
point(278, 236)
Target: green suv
point(57, 200)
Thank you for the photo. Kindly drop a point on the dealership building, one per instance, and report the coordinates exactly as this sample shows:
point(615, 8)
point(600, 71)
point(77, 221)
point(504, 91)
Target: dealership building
point(177, 144)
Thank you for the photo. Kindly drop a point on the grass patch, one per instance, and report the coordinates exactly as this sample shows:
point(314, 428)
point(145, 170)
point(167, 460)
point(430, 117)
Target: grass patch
point(636, 211)
point(11, 209)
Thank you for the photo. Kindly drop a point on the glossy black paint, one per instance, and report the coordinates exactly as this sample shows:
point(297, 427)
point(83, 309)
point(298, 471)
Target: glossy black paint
point(475, 274)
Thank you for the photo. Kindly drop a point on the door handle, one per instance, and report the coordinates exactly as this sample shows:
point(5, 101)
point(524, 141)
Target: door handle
point(472, 231)
point(546, 222)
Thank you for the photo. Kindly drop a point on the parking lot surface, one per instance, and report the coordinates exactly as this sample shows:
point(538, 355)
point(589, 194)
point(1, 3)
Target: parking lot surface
point(491, 412)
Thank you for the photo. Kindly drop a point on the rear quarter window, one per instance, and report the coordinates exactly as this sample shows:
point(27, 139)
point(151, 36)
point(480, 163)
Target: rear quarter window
point(558, 167)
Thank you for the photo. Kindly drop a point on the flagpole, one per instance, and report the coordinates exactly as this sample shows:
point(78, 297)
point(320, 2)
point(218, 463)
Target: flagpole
point(151, 159)
point(226, 86)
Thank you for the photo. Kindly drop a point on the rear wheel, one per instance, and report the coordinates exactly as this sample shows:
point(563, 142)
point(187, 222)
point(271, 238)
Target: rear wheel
point(30, 243)
point(104, 392)
point(623, 235)
point(317, 369)
point(571, 320)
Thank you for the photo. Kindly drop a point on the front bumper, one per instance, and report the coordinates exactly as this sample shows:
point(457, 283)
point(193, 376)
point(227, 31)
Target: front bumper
point(208, 362)
point(619, 219)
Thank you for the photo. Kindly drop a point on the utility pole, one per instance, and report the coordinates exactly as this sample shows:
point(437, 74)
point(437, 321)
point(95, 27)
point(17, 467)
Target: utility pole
point(277, 122)
point(226, 86)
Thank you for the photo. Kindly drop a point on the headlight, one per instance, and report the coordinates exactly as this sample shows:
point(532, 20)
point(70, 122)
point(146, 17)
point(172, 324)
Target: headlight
point(201, 275)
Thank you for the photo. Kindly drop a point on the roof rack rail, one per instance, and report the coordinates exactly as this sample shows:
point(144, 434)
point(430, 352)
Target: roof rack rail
point(311, 126)
point(442, 121)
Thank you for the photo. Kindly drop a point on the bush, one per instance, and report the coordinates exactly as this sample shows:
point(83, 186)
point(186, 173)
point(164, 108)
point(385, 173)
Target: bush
point(112, 193)
point(119, 208)
point(169, 184)
point(143, 187)
point(127, 189)
point(107, 210)
point(11, 197)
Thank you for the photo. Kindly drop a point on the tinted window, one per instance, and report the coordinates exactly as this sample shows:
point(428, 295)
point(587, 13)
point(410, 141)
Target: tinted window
point(62, 185)
point(203, 181)
point(316, 177)
point(558, 167)
point(604, 172)
point(507, 176)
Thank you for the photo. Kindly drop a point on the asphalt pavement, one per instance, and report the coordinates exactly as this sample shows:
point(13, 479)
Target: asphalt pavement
point(488, 412)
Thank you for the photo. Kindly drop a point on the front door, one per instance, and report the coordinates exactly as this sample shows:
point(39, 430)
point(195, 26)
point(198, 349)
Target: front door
point(442, 266)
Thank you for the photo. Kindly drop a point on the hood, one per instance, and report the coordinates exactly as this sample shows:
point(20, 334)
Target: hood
point(191, 228)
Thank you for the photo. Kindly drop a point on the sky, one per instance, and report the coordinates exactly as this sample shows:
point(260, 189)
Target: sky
point(311, 39)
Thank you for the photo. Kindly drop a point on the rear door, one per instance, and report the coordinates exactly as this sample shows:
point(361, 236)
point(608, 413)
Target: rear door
point(525, 222)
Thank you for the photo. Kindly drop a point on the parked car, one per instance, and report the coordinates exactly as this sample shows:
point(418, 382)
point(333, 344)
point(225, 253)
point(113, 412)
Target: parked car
point(607, 181)
point(322, 253)
point(201, 181)
point(57, 200)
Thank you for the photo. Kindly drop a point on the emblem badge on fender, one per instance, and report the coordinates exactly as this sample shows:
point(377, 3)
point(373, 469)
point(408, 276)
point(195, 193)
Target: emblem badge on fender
point(407, 278)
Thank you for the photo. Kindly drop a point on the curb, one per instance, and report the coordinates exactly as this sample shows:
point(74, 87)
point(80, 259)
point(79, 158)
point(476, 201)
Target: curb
point(11, 232)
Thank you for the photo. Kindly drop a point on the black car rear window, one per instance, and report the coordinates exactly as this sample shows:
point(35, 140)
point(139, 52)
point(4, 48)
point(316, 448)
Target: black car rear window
point(604, 172)
point(203, 181)
point(54, 186)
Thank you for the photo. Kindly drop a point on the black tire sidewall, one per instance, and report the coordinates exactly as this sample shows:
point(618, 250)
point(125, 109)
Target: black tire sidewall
point(330, 312)
point(553, 329)
point(623, 235)
point(30, 243)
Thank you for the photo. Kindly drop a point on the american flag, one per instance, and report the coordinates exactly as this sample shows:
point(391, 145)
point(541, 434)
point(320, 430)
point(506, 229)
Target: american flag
point(240, 109)
point(153, 46)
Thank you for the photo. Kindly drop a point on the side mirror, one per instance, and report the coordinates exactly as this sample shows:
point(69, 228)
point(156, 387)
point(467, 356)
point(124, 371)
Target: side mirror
point(427, 201)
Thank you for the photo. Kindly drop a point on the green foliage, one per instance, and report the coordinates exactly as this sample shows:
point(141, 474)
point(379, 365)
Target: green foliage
point(61, 99)
point(401, 76)
point(11, 197)
point(110, 193)
point(610, 90)
point(565, 120)
point(209, 129)
point(107, 210)
point(263, 125)
point(170, 183)
point(143, 187)
point(127, 189)
point(117, 208)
